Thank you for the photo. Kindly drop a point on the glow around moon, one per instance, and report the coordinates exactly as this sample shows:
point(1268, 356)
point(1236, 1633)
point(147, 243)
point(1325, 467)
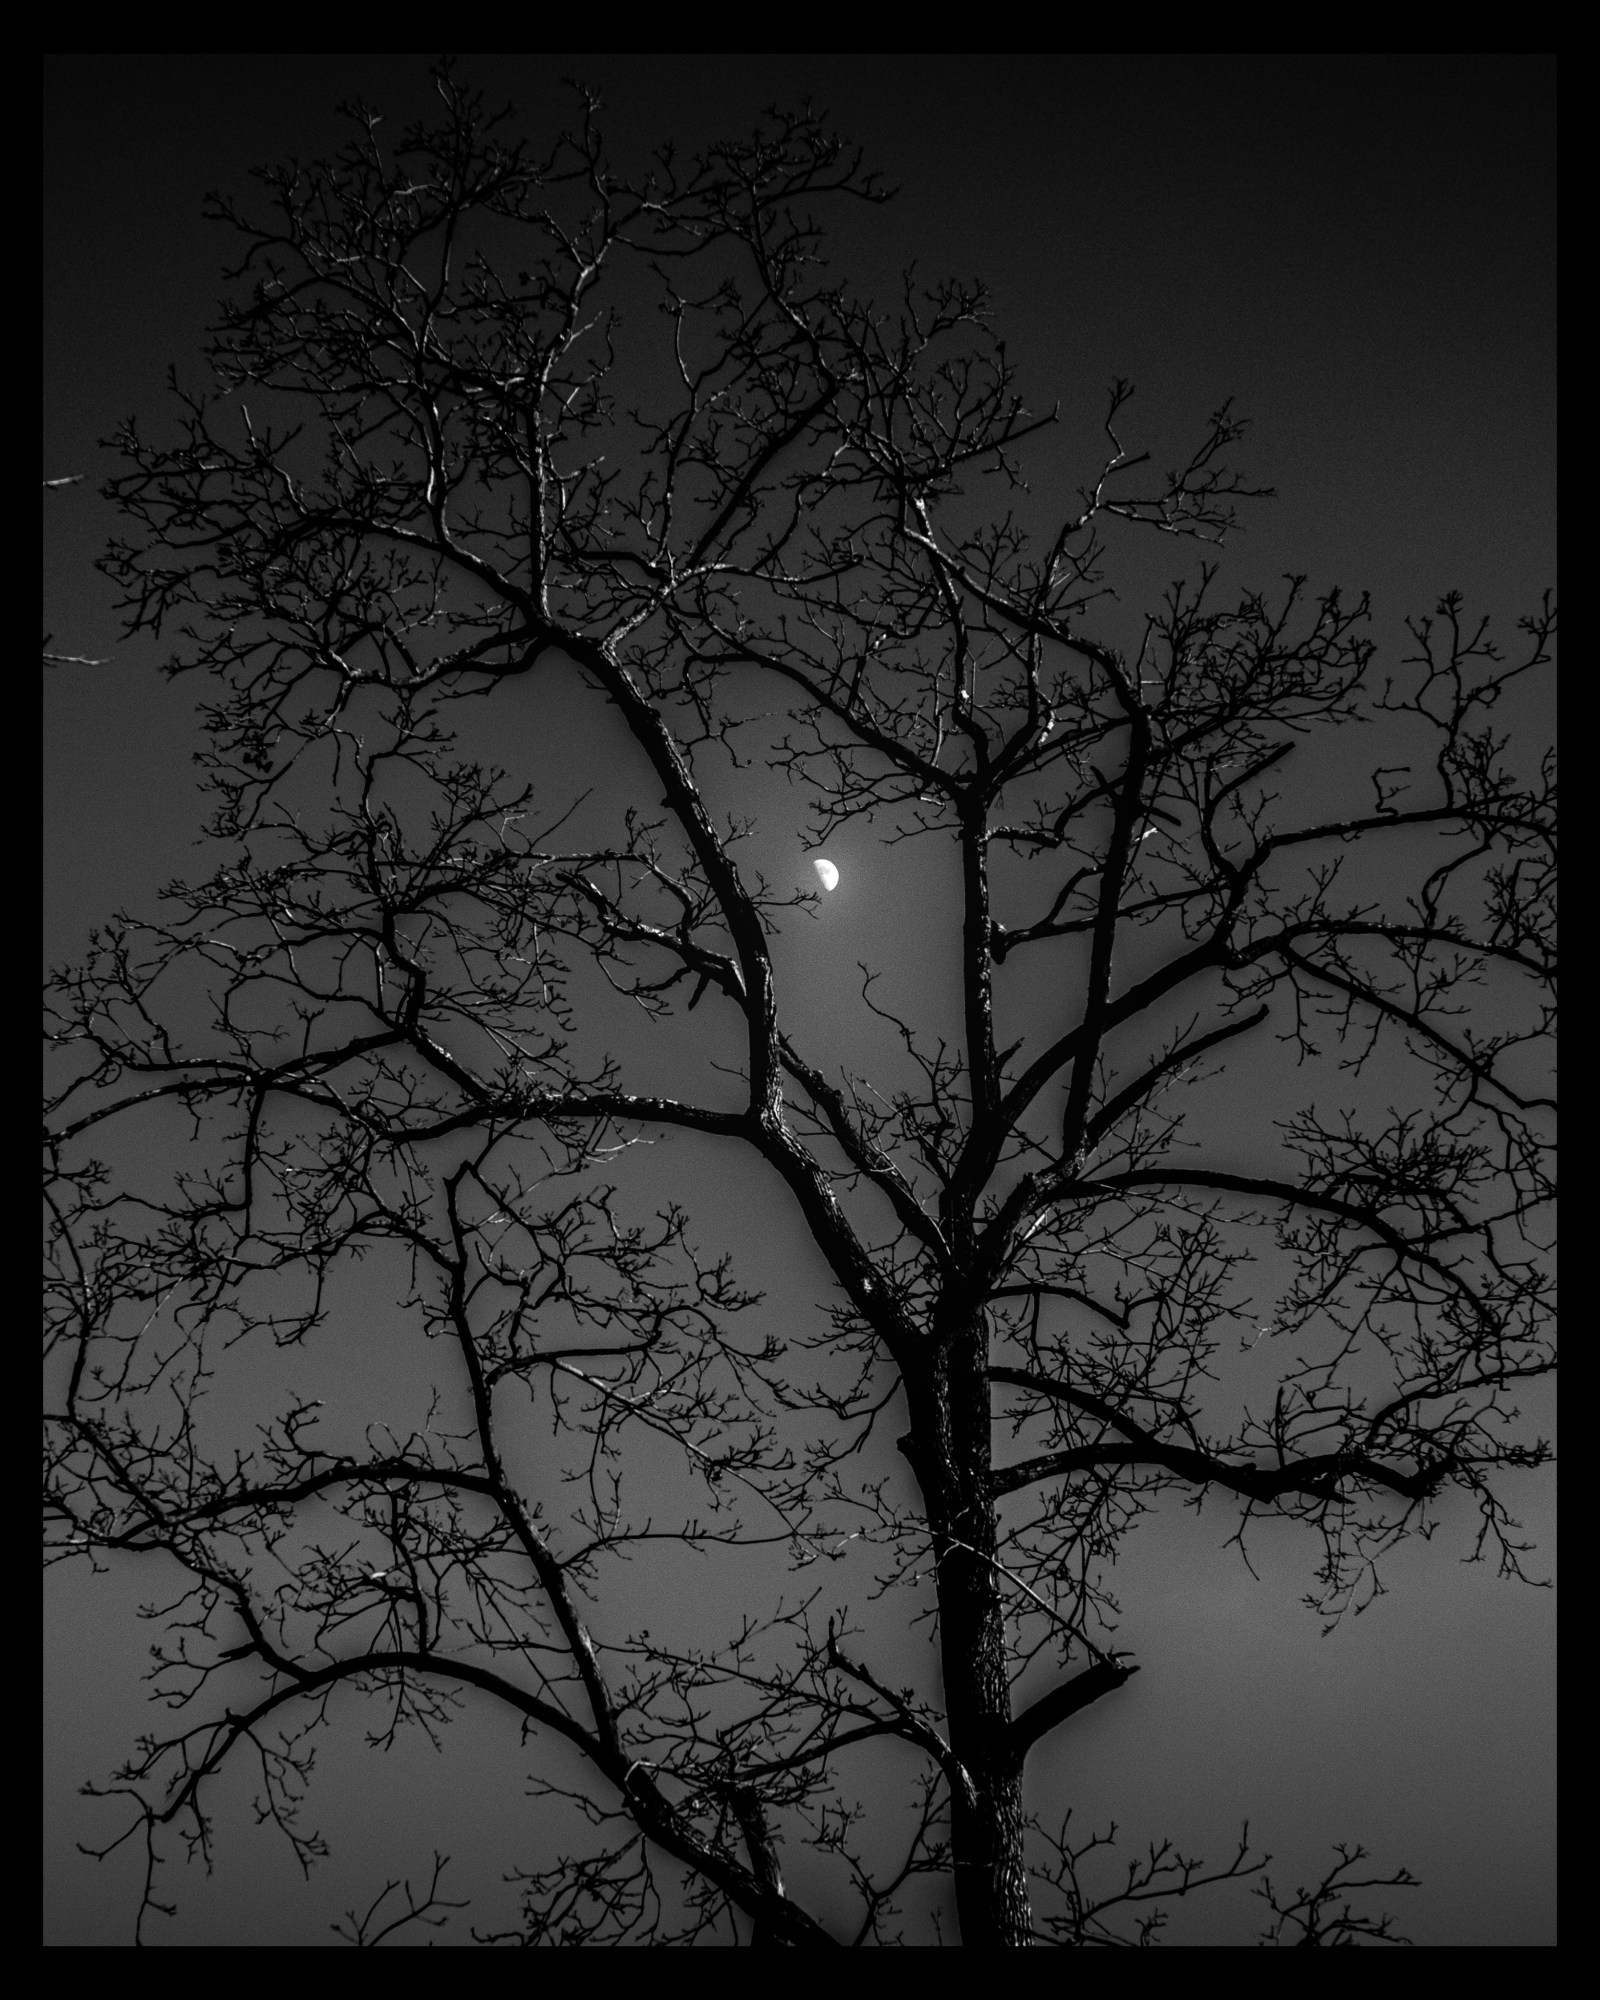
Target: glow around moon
point(827, 874)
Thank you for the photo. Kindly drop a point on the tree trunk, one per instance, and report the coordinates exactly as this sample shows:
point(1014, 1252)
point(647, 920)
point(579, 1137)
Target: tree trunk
point(950, 1433)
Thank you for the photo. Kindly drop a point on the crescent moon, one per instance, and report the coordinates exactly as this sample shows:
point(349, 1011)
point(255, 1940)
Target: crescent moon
point(827, 875)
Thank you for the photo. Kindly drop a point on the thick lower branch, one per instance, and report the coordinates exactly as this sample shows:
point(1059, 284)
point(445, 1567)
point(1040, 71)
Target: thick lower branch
point(1052, 1709)
point(760, 1897)
point(1318, 1476)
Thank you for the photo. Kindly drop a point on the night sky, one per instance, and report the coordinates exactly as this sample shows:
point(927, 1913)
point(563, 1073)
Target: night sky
point(1359, 251)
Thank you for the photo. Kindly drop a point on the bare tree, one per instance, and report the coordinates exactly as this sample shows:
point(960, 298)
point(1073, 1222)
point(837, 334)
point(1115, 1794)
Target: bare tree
point(486, 423)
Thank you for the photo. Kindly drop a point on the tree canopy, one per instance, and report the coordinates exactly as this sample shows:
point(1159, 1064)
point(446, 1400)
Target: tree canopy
point(510, 451)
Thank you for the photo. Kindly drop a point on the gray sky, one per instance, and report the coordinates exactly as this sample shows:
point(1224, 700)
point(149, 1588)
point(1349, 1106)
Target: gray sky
point(1360, 251)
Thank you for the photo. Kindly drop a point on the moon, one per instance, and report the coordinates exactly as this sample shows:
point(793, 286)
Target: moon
point(827, 874)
